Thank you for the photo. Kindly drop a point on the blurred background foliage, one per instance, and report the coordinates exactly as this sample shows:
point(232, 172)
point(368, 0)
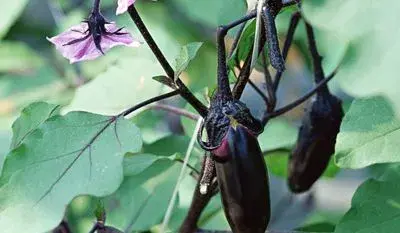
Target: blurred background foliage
point(31, 70)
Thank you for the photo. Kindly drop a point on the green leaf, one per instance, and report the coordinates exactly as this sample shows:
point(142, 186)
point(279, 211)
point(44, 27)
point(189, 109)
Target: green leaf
point(10, 10)
point(5, 139)
point(245, 44)
point(174, 145)
point(392, 173)
point(31, 117)
point(375, 208)
point(210, 13)
point(385, 171)
point(20, 84)
point(279, 134)
point(370, 65)
point(369, 134)
point(325, 39)
point(141, 200)
point(79, 153)
point(120, 87)
point(152, 125)
point(166, 81)
point(318, 227)
point(135, 164)
point(168, 145)
point(18, 57)
point(187, 53)
point(277, 162)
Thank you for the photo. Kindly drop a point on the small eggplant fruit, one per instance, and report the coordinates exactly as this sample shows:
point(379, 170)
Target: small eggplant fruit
point(316, 142)
point(243, 182)
point(240, 168)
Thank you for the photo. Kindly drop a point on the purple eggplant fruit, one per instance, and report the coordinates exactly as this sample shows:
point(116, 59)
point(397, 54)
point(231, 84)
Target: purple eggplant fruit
point(316, 142)
point(243, 182)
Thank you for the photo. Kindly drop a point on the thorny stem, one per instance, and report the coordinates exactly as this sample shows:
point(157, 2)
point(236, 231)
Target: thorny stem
point(272, 86)
point(288, 42)
point(317, 59)
point(208, 175)
point(243, 77)
point(246, 71)
point(96, 6)
point(274, 51)
point(268, 81)
point(299, 101)
point(183, 90)
point(149, 101)
point(223, 81)
point(259, 92)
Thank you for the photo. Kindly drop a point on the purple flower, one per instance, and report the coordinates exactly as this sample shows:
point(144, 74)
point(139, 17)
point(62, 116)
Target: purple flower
point(123, 6)
point(91, 38)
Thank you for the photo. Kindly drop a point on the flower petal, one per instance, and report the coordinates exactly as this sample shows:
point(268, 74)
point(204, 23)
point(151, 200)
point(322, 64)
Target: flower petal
point(122, 38)
point(80, 50)
point(84, 48)
point(123, 6)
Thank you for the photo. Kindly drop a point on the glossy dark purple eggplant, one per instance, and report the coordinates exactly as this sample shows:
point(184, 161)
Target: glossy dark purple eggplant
point(316, 142)
point(243, 182)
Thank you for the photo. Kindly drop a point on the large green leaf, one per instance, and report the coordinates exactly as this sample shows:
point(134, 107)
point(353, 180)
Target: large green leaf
point(10, 10)
point(79, 153)
point(279, 134)
point(152, 125)
point(141, 201)
point(30, 119)
point(137, 163)
point(17, 57)
point(375, 208)
point(369, 134)
point(277, 163)
point(211, 13)
point(119, 88)
point(370, 64)
point(21, 84)
point(168, 145)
